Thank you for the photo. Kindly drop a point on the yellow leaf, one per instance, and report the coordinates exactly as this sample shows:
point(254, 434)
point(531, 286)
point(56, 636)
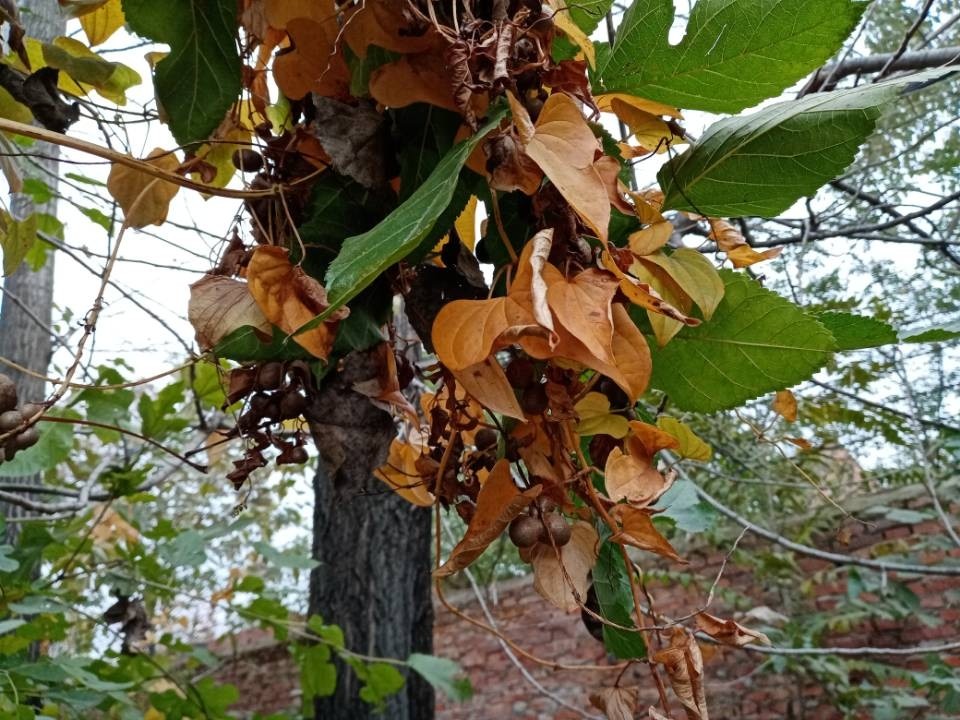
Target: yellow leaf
point(605, 102)
point(144, 198)
point(400, 473)
point(103, 22)
point(466, 224)
point(744, 256)
point(564, 22)
point(695, 275)
point(651, 238)
point(785, 405)
point(689, 445)
point(650, 131)
point(290, 298)
point(664, 326)
point(596, 418)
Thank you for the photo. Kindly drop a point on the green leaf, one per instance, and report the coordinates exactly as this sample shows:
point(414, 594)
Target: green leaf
point(16, 239)
point(444, 674)
point(856, 332)
point(380, 681)
point(762, 163)
point(244, 345)
point(684, 508)
point(365, 256)
point(735, 53)
point(318, 676)
point(615, 599)
point(587, 16)
point(186, 549)
point(284, 558)
point(8, 626)
point(53, 447)
point(939, 333)
point(200, 79)
point(756, 342)
point(7, 563)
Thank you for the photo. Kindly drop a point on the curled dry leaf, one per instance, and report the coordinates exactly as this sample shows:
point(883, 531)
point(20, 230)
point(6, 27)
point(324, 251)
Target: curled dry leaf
point(486, 383)
point(785, 405)
point(637, 529)
point(646, 440)
point(562, 580)
point(313, 64)
point(384, 389)
point(465, 332)
point(731, 241)
point(144, 199)
point(541, 244)
point(383, 24)
point(412, 79)
point(401, 474)
point(684, 665)
point(219, 305)
point(605, 102)
point(499, 502)
point(642, 294)
point(729, 632)
point(617, 703)
point(653, 133)
point(632, 478)
point(289, 298)
point(654, 714)
point(583, 305)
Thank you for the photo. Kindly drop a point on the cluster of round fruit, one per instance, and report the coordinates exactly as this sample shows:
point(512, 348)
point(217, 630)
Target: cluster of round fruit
point(540, 524)
point(12, 415)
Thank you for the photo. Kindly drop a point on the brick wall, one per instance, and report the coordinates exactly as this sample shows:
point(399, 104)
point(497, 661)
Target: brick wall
point(736, 689)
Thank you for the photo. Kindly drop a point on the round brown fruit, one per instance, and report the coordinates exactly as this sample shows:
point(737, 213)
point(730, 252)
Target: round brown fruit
point(558, 529)
point(8, 394)
point(9, 449)
point(292, 405)
point(9, 420)
point(247, 160)
point(28, 438)
point(534, 400)
point(485, 438)
point(28, 410)
point(525, 531)
point(270, 376)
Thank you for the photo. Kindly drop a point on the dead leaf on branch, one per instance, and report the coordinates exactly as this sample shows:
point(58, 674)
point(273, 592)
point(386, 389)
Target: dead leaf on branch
point(144, 199)
point(499, 502)
point(729, 632)
point(412, 79)
point(401, 474)
point(684, 665)
point(384, 389)
point(731, 241)
point(486, 383)
point(563, 581)
point(617, 703)
point(219, 305)
point(785, 405)
point(313, 63)
point(384, 24)
point(289, 298)
point(633, 479)
point(583, 305)
point(653, 133)
point(637, 529)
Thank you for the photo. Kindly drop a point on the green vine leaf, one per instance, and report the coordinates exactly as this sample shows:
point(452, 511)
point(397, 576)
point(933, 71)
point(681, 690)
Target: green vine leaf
point(735, 53)
point(756, 342)
point(200, 79)
point(760, 164)
point(612, 586)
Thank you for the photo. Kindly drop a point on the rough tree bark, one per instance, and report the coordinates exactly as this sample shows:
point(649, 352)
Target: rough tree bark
point(373, 548)
point(25, 314)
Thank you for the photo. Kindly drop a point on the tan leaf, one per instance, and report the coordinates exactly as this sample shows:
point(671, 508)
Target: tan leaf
point(689, 445)
point(642, 294)
point(637, 529)
point(577, 558)
point(745, 256)
point(486, 382)
point(647, 205)
point(634, 479)
point(218, 306)
point(582, 305)
point(383, 23)
point(103, 22)
point(651, 238)
point(605, 102)
point(540, 244)
point(565, 23)
point(654, 714)
point(785, 405)
point(650, 131)
point(617, 703)
point(684, 665)
point(465, 332)
point(565, 148)
point(314, 65)
point(695, 275)
point(466, 224)
point(498, 502)
point(144, 198)
point(731, 241)
point(413, 78)
point(729, 632)
point(401, 474)
point(290, 298)
point(596, 418)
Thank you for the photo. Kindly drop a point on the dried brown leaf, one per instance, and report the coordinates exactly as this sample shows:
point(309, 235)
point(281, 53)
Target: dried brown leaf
point(729, 632)
point(145, 199)
point(563, 581)
point(219, 305)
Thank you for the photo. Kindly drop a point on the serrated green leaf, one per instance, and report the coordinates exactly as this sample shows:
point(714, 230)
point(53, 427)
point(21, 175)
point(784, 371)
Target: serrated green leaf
point(735, 53)
point(762, 163)
point(939, 333)
point(755, 343)
point(615, 600)
point(364, 257)
point(684, 508)
point(318, 676)
point(199, 79)
point(244, 345)
point(856, 332)
point(444, 674)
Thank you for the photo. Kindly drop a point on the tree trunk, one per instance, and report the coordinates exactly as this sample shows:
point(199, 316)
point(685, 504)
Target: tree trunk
point(373, 548)
point(25, 313)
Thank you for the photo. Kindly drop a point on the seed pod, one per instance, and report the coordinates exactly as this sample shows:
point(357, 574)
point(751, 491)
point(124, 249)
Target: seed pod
point(292, 405)
point(9, 420)
point(270, 376)
point(9, 450)
point(28, 438)
point(534, 400)
point(260, 404)
point(554, 525)
point(247, 160)
point(28, 410)
point(617, 397)
point(296, 455)
point(525, 531)
point(485, 438)
point(8, 394)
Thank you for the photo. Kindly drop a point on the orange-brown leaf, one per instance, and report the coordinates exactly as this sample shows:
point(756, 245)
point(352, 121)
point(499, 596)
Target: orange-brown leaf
point(684, 665)
point(617, 703)
point(785, 405)
point(582, 305)
point(647, 440)
point(729, 632)
point(411, 79)
point(401, 474)
point(563, 581)
point(314, 65)
point(499, 502)
point(637, 529)
point(633, 479)
point(384, 24)
point(290, 298)
point(486, 383)
point(219, 305)
point(145, 199)
point(605, 102)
